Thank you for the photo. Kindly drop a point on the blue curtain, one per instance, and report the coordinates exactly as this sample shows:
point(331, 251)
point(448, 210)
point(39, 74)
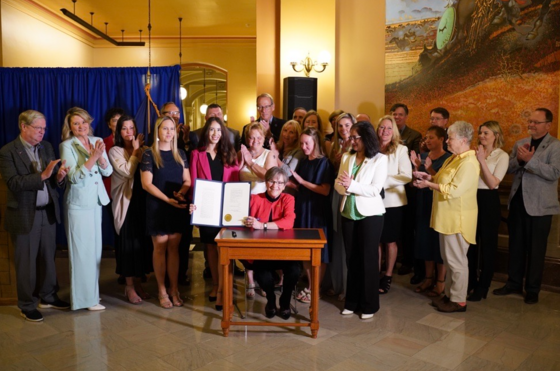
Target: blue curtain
point(53, 91)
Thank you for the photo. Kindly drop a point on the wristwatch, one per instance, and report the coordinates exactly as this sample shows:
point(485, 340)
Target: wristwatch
point(265, 226)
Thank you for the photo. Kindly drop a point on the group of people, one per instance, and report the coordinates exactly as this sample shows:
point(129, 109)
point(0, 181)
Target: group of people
point(374, 188)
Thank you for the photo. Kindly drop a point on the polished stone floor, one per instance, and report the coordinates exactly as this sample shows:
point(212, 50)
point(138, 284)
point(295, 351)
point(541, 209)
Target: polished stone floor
point(500, 333)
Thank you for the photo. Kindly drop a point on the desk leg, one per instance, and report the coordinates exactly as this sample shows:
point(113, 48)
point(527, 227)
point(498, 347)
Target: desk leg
point(314, 307)
point(226, 291)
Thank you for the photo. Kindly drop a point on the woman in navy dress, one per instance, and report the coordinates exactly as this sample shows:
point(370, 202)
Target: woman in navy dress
point(166, 178)
point(313, 206)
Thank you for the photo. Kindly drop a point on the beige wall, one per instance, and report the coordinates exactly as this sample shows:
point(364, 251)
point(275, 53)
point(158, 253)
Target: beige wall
point(268, 52)
point(30, 41)
point(313, 34)
point(360, 72)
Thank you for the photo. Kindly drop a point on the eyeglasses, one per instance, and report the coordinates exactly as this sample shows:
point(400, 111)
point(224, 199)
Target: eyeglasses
point(536, 122)
point(274, 182)
point(39, 128)
point(172, 113)
point(262, 108)
point(354, 138)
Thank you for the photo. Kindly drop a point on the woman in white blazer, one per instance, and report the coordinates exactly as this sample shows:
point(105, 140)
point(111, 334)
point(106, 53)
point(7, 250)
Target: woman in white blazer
point(362, 174)
point(87, 161)
point(399, 173)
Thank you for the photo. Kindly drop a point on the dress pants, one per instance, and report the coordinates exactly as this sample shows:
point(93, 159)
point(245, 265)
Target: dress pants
point(361, 240)
point(83, 230)
point(454, 253)
point(35, 253)
point(483, 255)
point(528, 237)
point(263, 273)
point(184, 250)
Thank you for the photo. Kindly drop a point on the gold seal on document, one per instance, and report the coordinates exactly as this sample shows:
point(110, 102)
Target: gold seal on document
point(227, 217)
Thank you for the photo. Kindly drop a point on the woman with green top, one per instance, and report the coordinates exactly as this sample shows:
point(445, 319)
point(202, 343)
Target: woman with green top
point(362, 174)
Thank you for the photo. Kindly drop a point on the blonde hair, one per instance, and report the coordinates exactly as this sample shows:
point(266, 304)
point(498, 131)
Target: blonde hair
point(395, 139)
point(255, 126)
point(495, 128)
point(336, 140)
point(155, 146)
point(75, 111)
point(297, 127)
point(315, 134)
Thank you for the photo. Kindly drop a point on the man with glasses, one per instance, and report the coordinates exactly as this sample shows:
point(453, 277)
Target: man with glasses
point(32, 174)
point(186, 140)
point(272, 125)
point(439, 116)
point(533, 200)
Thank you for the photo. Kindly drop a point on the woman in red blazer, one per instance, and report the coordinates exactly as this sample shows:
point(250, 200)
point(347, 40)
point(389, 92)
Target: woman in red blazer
point(214, 159)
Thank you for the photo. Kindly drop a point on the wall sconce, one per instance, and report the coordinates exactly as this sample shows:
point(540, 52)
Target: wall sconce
point(183, 92)
point(307, 64)
point(203, 109)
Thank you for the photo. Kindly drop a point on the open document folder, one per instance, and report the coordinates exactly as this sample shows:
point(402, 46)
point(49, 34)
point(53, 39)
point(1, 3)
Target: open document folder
point(220, 204)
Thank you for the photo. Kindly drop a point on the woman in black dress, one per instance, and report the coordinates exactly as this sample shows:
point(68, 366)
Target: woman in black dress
point(133, 248)
point(166, 178)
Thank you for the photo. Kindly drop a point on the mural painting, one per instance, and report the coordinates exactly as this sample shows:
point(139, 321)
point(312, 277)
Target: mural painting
point(481, 59)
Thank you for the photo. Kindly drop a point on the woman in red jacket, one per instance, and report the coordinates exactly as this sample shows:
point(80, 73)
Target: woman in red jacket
point(214, 159)
point(274, 210)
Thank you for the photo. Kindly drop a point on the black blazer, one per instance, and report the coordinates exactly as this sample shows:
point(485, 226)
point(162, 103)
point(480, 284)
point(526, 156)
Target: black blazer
point(23, 183)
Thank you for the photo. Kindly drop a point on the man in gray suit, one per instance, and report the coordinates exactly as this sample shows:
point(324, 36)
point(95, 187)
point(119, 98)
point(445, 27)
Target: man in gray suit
point(533, 200)
point(32, 173)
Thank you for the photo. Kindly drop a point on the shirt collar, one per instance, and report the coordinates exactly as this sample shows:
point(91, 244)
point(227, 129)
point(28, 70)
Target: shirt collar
point(29, 145)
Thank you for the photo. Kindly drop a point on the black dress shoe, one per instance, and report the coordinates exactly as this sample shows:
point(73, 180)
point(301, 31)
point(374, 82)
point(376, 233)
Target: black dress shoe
point(219, 308)
point(531, 298)
point(440, 299)
point(506, 291)
point(270, 312)
point(404, 270)
point(416, 279)
point(57, 304)
point(284, 313)
point(32, 315)
point(478, 295)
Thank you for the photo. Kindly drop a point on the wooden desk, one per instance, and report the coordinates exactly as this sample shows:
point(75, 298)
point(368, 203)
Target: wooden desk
point(293, 244)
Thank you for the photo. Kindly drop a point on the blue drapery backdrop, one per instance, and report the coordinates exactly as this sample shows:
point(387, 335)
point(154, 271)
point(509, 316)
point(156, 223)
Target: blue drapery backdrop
point(53, 91)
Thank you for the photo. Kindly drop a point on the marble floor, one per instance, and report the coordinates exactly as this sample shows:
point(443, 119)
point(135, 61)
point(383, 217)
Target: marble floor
point(500, 333)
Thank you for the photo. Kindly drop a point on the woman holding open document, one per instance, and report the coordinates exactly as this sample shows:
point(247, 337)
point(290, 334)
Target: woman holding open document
point(214, 159)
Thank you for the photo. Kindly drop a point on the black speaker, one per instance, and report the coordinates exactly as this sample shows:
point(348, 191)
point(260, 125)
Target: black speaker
point(299, 92)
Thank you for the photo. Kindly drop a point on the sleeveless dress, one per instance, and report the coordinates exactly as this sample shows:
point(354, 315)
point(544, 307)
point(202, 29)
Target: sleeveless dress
point(258, 185)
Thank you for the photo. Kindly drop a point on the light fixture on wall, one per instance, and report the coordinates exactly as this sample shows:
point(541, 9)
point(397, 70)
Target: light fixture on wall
point(90, 27)
point(307, 64)
point(182, 90)
point(204, 106)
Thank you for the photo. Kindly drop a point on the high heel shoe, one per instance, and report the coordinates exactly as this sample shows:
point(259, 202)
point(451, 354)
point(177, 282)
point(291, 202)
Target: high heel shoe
point(438, 289)
point(132, 300)
point(211, 298)
point(219, 307)
point(425, 286)
point(164, 302)
point(176, 299)
point(478, 295)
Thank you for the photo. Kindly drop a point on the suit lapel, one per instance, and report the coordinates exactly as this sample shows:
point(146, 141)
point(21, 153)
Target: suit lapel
point(205, 164)
point(22, 153)
point(80, 148)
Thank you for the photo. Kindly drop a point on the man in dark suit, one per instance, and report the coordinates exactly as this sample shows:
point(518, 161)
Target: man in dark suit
point(533, 200)
point(215, 110)
point(32, 173)
point(411, 139)
point(272, 125)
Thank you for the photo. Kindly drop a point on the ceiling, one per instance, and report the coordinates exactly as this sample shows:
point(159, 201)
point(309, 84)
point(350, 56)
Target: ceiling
point(201, 18)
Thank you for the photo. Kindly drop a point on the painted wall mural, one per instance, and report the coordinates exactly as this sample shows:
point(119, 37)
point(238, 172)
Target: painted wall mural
point(481, 59)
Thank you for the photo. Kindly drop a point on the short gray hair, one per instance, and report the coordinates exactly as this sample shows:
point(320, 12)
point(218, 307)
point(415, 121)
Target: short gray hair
point(273, 171)
point(28, 117)
point(265, 95)
point(463, 130)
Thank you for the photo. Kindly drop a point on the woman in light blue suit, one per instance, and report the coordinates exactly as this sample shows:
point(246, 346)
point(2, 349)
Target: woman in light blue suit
point(87, 161)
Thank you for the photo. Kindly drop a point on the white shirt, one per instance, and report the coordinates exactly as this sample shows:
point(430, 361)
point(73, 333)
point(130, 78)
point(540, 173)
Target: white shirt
point(497, 163)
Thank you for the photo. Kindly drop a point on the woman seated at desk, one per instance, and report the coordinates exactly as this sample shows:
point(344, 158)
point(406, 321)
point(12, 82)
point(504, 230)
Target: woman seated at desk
point(274, 210)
